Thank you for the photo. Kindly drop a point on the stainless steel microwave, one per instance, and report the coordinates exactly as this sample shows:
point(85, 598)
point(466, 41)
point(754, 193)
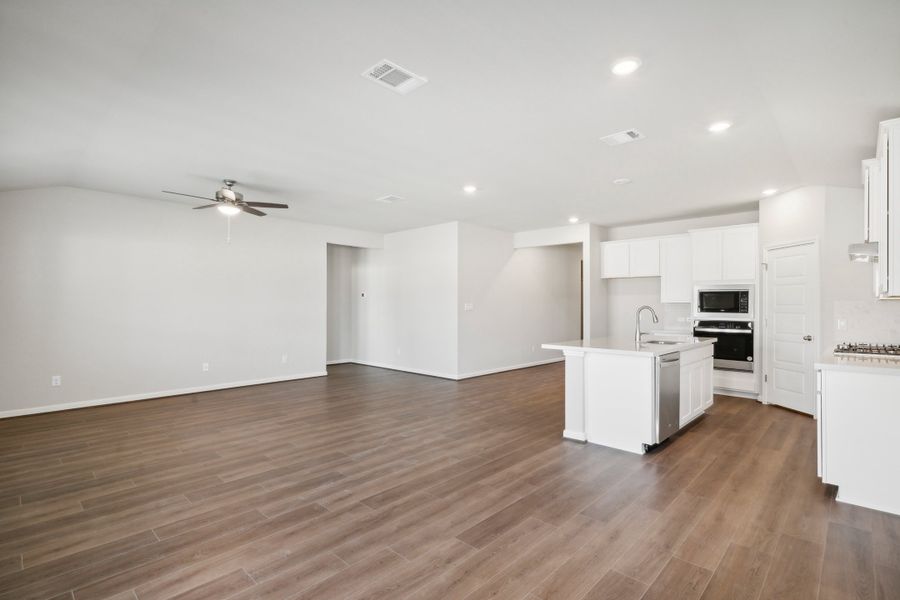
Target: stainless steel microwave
point(734, 303)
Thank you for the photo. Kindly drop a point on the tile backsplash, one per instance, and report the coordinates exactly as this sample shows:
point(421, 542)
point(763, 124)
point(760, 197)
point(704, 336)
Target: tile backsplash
point(869, 321)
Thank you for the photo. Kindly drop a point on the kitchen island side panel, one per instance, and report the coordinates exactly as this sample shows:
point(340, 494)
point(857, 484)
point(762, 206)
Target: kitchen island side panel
point(618, 398)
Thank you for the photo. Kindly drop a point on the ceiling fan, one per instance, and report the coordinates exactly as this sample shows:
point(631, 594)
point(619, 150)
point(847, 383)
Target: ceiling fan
point(230, 202)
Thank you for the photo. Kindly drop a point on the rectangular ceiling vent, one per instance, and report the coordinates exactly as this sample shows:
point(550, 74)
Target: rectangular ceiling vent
point(390, 199)
point(623, 137)
point(394, 77)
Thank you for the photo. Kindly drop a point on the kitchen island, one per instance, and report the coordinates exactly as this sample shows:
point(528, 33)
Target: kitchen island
point(614, 387)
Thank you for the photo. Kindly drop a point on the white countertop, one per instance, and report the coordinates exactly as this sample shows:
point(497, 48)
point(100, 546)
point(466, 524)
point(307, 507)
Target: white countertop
point(606, 345)
point(860, 364)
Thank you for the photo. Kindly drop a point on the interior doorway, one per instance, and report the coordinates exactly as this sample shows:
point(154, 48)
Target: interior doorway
point(340, 318)
point(791, 325)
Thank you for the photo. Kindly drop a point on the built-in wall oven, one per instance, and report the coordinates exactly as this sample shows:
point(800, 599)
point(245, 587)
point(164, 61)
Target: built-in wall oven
point(724, 302)
point(733, 349)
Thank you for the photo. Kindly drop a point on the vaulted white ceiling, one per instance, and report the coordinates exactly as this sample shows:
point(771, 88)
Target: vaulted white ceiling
point(136, 97)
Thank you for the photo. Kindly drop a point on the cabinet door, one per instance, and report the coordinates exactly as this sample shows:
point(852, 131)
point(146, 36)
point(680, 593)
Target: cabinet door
point(706, 372)
point(706, 250)
point(676, 282)
point(614, 259)
point(739, 253)
point(643, 258)
point(684, 402)
point(696, 390)
point(891, 177)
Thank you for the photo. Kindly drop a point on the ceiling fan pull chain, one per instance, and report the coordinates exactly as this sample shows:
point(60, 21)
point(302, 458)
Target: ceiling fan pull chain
point(228, 229)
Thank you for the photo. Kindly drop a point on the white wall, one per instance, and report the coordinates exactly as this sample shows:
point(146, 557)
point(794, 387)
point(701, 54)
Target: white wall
point(406, 301)
point(834, 216)
point(341, 333)
point(521, 298)
point(127, 297)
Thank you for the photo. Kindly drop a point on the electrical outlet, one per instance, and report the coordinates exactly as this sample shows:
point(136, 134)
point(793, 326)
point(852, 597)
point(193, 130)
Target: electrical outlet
point(56, 380)
point(205, 367)
point(468, 306)
point(284, 359)
point(842, 324)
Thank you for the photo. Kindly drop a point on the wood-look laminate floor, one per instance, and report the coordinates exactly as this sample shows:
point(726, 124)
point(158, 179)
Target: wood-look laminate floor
point(377, 484)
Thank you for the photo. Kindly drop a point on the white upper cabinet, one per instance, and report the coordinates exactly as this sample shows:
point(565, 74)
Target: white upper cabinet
point(643, 258)
point(725, 254)
point(718, 254)
point(614, 259)
point(706, 246)
point(629, 258)
point(675, 270)
point(884, 194)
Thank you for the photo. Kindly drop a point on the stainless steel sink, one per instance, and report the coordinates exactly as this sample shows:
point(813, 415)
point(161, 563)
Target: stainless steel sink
point(661, 342)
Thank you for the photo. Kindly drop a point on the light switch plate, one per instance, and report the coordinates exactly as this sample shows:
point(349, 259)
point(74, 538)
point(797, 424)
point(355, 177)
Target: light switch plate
point(468, 306)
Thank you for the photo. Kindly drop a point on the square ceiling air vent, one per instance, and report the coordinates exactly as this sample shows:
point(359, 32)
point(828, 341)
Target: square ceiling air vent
point(390, 199)
point(394, 77)
point(623, 137)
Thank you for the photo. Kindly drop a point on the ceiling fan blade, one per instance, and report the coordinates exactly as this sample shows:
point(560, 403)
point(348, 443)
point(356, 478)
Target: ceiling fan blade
point(206, 206)
point(189, 195)
point(252, 211)
point(267, 204)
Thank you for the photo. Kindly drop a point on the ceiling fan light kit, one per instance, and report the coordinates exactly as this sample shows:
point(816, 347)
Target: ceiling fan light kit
point(231, 202)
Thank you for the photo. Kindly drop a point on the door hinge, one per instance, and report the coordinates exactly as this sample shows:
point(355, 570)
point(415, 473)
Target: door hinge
point(766, 378)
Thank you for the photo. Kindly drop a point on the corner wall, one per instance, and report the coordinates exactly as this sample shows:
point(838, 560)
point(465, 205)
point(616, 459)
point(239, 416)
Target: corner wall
point(513, 300)
point(405, 299)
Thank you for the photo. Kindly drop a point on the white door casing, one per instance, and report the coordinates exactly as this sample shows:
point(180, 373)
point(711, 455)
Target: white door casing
point(791, 325)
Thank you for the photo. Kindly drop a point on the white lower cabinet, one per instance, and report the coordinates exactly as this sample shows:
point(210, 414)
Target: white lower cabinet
point(858, 412)
point(696, 383)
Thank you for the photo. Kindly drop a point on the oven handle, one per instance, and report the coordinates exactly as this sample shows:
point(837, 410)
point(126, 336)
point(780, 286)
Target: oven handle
point(711, 330)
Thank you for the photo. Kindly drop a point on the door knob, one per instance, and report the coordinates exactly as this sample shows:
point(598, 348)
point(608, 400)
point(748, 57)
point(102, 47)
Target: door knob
point(808, 338)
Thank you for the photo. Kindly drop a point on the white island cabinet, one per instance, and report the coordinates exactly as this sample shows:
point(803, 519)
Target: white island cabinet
point(612, 385)
point(858, 408)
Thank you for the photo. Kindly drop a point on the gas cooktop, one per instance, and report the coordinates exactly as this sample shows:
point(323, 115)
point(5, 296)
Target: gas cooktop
point(875, 350)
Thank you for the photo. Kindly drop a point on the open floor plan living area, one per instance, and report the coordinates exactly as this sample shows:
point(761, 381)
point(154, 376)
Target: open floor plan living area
point(449, 300)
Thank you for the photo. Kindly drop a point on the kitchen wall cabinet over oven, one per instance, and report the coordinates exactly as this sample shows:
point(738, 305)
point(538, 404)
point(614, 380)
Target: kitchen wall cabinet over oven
point(723, 254)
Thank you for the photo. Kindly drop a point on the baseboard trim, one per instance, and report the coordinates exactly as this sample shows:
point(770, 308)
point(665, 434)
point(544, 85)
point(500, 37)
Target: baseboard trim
point(536, 363)
point(340, 361)
point(737, 393)
point(448, 375)
point(578, 436)
point(404, 369)
point(19, 412)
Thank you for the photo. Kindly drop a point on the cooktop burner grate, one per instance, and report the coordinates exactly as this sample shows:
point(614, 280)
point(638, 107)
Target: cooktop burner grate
point(880, 350)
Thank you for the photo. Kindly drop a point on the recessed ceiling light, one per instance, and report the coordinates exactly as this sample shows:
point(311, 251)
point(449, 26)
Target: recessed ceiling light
point(626, 66)
point(719, 126)
point(622, 181)
point(770, 192)
point(470, 189)
point(573, 220)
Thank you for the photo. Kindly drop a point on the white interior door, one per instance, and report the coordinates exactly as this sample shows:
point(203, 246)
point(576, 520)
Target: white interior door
point(791, 327)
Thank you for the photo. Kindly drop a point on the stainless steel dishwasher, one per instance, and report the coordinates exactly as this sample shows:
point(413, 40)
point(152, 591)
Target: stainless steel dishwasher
point(668, 395)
